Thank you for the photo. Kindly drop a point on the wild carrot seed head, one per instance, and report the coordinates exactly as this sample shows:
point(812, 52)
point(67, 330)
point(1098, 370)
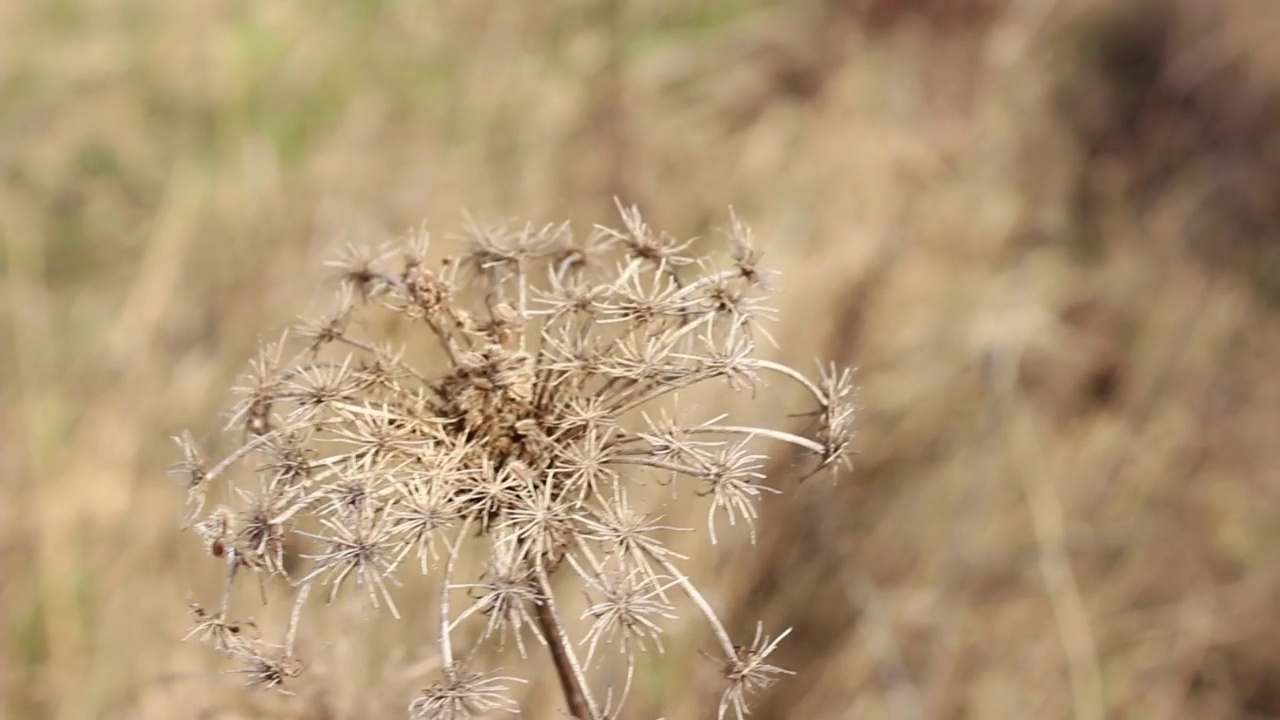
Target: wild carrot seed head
point(553, 395)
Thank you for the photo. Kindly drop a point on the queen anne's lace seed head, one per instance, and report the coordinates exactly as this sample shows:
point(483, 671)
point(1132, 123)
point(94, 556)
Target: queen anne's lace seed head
point(627, 612)
point(266, 666)
point(747, 673)
point(361, 549)
point(732, 480)
point(532, 432)
point(505, 595)
point(462, 695)
point(218, 632)
point(193, 472)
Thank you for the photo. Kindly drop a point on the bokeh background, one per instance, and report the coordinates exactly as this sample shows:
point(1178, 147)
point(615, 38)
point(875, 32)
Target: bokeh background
point(1046, 231)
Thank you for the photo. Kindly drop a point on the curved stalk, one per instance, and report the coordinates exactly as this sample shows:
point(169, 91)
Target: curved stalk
point(703, 606)
point(792, 373)
point(780, 435)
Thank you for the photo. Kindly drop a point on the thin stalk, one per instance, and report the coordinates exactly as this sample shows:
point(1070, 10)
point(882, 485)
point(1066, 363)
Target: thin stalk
point(373, 349)
point(780, 435)
point(613, 714)
point(655, 463)
point(446, 342)
point(522, 300)
point(573, 681)
point(791, 373)
point(257, 442)
point(295, 617)
point(703, 606)
point(233, 564)
point(446, 647)
point(625, 404)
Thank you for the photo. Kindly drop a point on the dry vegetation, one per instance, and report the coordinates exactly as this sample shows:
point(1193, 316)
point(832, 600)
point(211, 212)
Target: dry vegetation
point(1045, 233)
point(545, 431)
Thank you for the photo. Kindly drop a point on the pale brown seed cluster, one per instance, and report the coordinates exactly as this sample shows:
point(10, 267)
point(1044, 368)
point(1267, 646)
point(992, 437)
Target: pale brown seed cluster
point(552, 405)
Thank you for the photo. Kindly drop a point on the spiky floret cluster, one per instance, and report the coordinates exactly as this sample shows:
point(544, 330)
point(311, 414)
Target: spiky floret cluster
point(560, 362)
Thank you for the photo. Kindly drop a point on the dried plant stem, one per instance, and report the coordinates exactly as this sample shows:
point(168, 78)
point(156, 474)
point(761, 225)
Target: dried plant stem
point(295, 616)
point(527, 435)
point(653, 463)
point(780, 435)
point(701, 603)
point(613, 706)
point(799, 377)
point(233, 565)
point(446, 647)
point(650, 394)
point(228, 461)
point(573, 680)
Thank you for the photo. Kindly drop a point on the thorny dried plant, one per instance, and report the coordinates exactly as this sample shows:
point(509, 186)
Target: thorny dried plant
point(556, 399)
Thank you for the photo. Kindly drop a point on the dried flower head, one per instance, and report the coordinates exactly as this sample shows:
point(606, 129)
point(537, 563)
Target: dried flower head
point(748, 673)
point(463, 694)
point(531, 431)
point(266, 666)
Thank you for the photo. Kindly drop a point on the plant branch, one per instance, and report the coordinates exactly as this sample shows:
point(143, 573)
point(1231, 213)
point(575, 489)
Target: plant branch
point(572, 679)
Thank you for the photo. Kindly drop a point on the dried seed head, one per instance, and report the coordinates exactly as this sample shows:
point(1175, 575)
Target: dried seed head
point(464, 694)
point(732, 478)
point(628, 612)
point(549, 395)
point(329, 328)
point(748, 673)
point(223, 635)
point(662, 252)
point(215, 530)
point(361, 548)
point(358, 268)
point(505, 596)
point(426, 506)
point(629, 537)
point(194, 475)
point(266, 666)
point(540, 522)
point(260, 530)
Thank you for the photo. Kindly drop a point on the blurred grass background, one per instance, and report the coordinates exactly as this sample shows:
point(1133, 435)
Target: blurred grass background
point(1047, 232)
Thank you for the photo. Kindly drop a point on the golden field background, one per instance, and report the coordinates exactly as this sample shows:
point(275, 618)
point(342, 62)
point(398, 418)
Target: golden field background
point(1046, 232)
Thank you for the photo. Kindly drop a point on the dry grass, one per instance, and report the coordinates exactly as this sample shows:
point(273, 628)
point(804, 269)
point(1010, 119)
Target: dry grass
point(1045, 232)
